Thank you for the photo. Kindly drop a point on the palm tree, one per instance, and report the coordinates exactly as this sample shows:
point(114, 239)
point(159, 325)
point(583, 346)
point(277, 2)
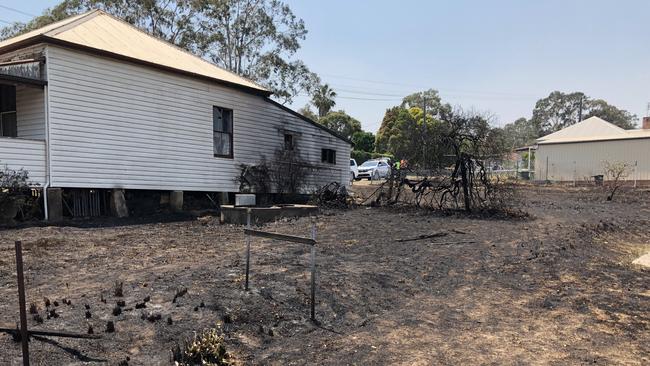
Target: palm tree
point(323, 99)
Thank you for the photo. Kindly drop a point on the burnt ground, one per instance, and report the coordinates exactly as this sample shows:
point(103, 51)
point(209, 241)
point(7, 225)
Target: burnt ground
point(558, 288)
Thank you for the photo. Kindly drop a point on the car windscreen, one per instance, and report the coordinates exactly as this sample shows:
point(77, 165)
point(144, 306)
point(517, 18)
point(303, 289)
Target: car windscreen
point(369, 164)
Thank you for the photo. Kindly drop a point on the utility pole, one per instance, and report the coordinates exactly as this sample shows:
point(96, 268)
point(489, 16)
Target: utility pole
point(580, 110)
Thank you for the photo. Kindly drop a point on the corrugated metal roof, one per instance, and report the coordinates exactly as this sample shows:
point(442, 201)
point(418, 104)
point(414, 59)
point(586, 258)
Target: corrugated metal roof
point(101, 31)
point(592, 129)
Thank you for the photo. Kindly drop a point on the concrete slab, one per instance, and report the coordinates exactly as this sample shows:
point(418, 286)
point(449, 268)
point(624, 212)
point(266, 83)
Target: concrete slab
point(237, 215)
point(643, 260)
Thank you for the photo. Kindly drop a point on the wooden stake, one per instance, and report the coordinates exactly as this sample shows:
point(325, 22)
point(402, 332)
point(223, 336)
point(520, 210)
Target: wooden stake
point(24, 335)
point(248, 246)
point(313, 272)
point(5, 329)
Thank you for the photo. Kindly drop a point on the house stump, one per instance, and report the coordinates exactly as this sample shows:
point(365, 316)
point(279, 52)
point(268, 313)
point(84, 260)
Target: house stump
point(176, 201)
point(118, 204)
point(55, 204)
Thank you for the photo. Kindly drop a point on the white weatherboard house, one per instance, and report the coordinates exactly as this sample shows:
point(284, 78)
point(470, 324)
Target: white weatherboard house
point(92, 102)
point(579, 152)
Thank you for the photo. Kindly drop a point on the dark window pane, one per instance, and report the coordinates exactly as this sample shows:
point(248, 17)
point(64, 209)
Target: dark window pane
point(288, 142)
point(227, 120)
point(217, 119)
point(222, 131)
point(8, 124)
point(222, 144)
point(7, 98)
point(328, 156)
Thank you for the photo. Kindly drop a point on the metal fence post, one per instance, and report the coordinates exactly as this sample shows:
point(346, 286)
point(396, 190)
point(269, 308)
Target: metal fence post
point(313, 272)
point(248, 246)
point(24, 335)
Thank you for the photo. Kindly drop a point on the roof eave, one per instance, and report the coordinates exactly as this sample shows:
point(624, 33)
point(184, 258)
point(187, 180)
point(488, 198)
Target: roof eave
point(41, 38)
point(595, 140)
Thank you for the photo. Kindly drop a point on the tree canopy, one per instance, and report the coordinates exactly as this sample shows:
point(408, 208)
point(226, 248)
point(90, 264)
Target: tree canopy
point(560, 110)
point(431, 98)
point(364, 141)
point(519, 133)
point(323, 98)
point(307, 112)
point(256, 39)
point(342, 123)
point(609, 113)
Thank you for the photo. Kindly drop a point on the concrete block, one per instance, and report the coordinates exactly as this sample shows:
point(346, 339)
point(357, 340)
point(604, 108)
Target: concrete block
point(244, 200)
point(118, 204)
point(55, 204)
point(176, 201)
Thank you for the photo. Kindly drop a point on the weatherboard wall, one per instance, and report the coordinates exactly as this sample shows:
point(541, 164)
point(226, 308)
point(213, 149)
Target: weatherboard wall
point(115, 124)
point(30, 112)
point(17, 154)
point(581, 161)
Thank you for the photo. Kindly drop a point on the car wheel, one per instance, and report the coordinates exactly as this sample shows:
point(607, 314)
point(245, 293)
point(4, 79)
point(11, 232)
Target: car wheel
point(351, 177)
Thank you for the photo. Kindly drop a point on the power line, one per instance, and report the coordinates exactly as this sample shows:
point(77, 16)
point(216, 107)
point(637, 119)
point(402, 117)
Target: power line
point(518, 95)
point(359, 98)
point(18, 11)
point(446, 94)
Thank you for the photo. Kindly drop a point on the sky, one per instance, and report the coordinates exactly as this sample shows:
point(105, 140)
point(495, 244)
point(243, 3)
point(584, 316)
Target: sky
point(497, 57)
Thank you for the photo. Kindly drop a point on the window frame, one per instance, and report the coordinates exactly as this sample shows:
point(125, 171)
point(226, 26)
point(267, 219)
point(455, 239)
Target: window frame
point(289, 138)
point(328, 156)
point(231, 133)
point(7, 110)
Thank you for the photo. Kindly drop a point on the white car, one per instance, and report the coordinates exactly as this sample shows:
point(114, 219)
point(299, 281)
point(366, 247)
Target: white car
point(374, 170)
point(354, 170)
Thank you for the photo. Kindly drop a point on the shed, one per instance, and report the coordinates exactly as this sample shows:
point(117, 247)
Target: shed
point(580, 152)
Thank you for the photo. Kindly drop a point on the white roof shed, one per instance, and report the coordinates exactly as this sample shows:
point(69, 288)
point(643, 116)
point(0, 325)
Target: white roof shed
point(580, 151)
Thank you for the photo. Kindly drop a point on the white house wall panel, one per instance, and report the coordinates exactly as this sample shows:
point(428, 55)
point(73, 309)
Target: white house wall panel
point(583, 160)
point(19, 154)
point(120, 125)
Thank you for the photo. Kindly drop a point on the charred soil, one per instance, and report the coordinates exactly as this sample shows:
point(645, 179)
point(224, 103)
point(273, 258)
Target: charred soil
point(557, 287)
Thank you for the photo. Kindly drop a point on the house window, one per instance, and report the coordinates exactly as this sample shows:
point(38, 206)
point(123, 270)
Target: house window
point(222, 129)
point(328, 156)
point(288, 142)
point(8, 121)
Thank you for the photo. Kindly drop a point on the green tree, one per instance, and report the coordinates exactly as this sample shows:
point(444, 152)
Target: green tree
point(387, 129)
point(519, 133)
point(557, 111)
point(560, 110)
point(611, 114)
point(307, 112)
point(405, 135)
point(364, 141)
point(323, 99)
point(256, 39)
point(431, 98)
point(342, 123)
